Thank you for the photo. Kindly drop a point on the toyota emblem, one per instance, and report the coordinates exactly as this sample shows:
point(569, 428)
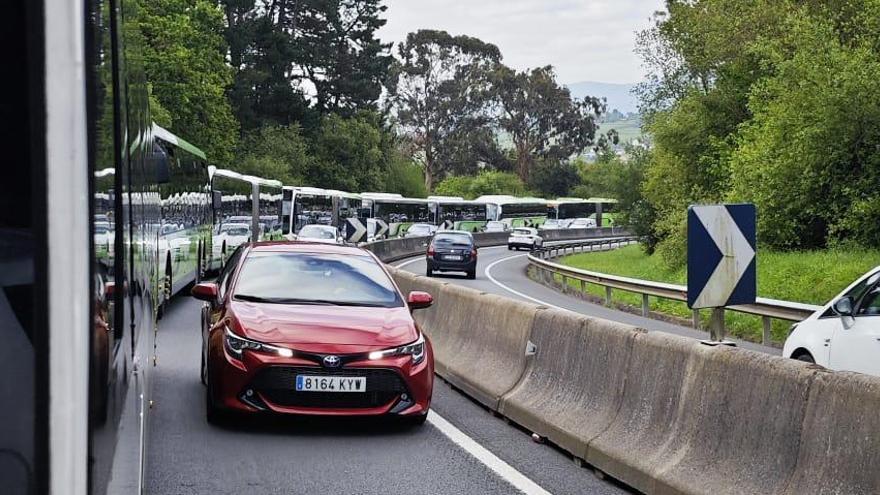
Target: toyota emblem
point(332, 361)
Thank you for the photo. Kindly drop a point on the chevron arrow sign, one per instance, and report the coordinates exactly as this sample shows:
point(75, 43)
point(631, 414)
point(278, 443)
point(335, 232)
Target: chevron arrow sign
point(721, 255)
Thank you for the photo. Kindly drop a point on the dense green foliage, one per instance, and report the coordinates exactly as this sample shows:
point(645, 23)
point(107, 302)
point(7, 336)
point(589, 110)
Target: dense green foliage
point(484, 183)
point(184, 61)
point(812, 277)
point(774, 102)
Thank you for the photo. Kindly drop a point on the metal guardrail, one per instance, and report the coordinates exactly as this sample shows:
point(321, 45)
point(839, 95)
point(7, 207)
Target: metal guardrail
point(767, 309)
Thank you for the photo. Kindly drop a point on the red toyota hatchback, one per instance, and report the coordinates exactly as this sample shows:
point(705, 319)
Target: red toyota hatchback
point(312, 329)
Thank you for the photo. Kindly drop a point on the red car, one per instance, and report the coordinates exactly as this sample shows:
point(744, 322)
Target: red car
point(312, 329)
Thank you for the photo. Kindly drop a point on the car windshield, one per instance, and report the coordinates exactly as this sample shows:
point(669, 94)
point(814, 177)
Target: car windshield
point(445, 239)
point(317, 232)
point(315, 278)
point(522, 232)
point(236, 231)
point(495, 225)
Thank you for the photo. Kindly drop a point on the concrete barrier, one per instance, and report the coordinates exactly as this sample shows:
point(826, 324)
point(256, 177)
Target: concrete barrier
point(634, 444)
point(572, 387)
point(739, 424)
point(662, 413)
point(840, 445)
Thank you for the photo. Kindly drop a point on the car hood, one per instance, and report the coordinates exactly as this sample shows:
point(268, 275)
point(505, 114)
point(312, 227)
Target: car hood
point(308, 327)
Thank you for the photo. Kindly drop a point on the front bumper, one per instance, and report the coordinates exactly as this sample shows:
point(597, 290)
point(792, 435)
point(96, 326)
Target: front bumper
point(265, 383)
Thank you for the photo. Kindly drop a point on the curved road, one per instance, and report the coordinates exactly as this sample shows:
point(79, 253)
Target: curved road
point(463, 449)
point(503, 272)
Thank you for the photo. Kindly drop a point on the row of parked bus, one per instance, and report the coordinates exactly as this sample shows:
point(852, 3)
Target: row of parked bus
point(134, 213)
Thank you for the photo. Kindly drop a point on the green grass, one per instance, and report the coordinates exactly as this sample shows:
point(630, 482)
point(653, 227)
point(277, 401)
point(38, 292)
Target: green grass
point(811, 277)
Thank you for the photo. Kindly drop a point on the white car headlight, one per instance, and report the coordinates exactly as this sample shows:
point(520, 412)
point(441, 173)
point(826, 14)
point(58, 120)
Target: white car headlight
point(236, 346)
point(415, 349)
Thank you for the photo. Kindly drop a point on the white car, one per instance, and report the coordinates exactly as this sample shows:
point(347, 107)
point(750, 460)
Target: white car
point(420, 230)
point(524, 237)
point(551, 224)
point(496, 226)
point(231, 235)
point(845, 334)
point(325, 234)
point(582, 223)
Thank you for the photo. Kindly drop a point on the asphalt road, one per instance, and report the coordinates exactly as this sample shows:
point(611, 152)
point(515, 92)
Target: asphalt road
point(462, 449)
point(503, 272)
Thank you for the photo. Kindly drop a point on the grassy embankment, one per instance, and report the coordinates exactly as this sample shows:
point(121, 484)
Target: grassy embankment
point(811, 277)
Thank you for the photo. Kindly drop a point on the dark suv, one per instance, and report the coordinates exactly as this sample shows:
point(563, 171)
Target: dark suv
point(452, 251)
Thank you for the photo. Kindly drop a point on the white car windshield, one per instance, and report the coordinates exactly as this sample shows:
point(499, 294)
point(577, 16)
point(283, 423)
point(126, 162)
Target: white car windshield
point(236, 231)
point(317, 232)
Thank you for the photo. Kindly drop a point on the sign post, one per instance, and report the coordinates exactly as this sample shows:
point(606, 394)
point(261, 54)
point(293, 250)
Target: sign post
point(721, 261)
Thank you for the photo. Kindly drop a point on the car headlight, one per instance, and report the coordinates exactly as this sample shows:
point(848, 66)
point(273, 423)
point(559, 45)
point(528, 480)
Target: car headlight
point(416, 350)
point(236, 346)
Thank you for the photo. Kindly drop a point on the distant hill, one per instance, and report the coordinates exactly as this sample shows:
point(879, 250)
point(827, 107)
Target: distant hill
point(619, 96)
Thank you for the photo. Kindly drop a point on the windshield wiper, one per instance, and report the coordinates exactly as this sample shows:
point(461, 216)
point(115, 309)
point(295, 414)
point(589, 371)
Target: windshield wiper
point(258, 299)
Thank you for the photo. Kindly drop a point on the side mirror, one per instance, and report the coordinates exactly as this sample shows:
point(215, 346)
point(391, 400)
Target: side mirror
point(206, 291)
point(419, 300)
point(843, 306)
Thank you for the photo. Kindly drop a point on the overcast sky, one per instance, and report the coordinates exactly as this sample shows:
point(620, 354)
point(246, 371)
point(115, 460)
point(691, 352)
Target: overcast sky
point(585, 40)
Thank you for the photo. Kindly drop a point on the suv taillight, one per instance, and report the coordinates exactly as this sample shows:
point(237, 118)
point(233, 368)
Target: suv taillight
point(431, 250)
point(474, 252)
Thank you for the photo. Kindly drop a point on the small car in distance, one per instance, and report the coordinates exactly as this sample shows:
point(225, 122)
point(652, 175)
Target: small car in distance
point(452, 251)
point(551, 224)
point(312, 329)
point(524, 237)
point(325, 234)
point(582, 223)
point(844, 334)
point(229, 236)
point(420, 230)
point(496, 226)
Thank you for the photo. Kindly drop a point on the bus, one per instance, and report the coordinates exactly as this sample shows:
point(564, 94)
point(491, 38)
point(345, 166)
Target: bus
point(456, 213)
point(516, 212)
point(101, 214)
point(398, 213)
point(183, 233)
point(606, 209)
point(242, 204)
point(563, 210)
point(301, 206)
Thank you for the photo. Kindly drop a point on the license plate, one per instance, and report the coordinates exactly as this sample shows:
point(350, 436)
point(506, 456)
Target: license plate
point(452, 257)
point(312, 383)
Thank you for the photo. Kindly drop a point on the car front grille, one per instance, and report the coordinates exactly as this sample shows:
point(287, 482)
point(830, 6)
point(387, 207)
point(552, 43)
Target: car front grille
point(277, 385)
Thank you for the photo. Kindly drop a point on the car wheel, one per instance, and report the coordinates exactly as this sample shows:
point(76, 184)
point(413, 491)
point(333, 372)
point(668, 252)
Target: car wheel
point(429, 272)
point(472, 274)
point(213, 414)
point(805, 357)
point(509, 247)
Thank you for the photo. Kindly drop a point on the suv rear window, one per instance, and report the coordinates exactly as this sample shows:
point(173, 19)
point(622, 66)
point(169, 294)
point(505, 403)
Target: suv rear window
point(522, 232)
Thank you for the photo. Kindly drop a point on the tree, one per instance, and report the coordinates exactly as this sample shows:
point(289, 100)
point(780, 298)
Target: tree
point(484, 183)
point(275, 152)
point(348, 154)
point(184, 59)
point(554, 178)
point(542, 119)
point(438, 93)
point(283, 49)
point(338, 52)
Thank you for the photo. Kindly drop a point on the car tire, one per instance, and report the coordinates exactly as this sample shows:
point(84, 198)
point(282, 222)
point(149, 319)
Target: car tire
point(213, 414)
point(472, 274)
point(509, 247)
point(806, 357)
point(429, 272)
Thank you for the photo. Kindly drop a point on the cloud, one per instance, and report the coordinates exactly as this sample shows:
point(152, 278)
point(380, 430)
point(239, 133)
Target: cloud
point(583, 39)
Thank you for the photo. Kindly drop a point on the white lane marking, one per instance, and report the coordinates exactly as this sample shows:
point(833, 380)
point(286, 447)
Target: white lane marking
point(490, 460)
point(513, 291)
